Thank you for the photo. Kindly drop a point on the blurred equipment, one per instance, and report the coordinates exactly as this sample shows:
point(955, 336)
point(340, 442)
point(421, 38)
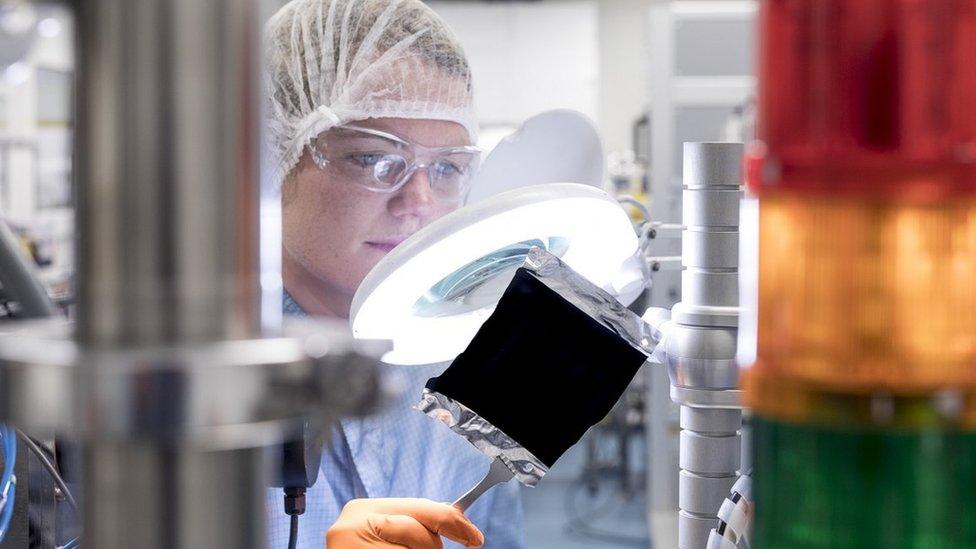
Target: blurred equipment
point(626, 178)
point(740, 126)
point(864, 386)
point(168, 380)
point(18, 29)
point(21, 295)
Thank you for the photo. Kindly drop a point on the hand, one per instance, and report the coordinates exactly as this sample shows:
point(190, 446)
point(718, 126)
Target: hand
point(400, 522)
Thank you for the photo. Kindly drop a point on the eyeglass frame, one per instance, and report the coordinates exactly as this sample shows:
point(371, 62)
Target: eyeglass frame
point(428, 154)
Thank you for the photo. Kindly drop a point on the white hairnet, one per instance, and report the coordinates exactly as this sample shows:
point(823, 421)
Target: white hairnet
point(337, 61)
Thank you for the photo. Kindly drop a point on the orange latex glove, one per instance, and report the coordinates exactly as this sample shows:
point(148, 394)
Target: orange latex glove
point(400, 522)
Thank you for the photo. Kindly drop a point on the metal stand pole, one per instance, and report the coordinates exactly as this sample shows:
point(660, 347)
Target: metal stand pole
point(701, 350)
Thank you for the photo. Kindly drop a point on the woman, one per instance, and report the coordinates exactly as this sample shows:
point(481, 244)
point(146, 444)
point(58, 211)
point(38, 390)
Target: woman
point(372, 125)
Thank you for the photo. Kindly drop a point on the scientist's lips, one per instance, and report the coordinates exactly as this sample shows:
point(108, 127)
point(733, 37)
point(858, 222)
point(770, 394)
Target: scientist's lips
point(386, 244)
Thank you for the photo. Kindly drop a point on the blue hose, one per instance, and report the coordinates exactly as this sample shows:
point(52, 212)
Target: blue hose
point(8, 482)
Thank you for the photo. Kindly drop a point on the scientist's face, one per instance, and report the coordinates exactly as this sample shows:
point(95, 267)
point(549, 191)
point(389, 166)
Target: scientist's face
point(335, 229)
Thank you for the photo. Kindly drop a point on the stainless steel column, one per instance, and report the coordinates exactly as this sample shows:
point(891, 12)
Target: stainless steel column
point(147, 495)
point(702, 346)
point(167, 170)
point(166, 160)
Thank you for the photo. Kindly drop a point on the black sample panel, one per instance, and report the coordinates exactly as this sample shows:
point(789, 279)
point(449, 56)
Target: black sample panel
point(540, 369)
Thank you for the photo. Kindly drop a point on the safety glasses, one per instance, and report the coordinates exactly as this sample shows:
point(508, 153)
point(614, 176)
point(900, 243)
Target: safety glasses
point(383, 162)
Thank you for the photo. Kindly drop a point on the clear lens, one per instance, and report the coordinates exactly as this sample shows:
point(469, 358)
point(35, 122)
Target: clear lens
point(450, 174)
point(388, 171)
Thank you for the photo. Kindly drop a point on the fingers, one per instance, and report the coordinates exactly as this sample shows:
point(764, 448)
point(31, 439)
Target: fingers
point(439, 518)
point(450, 522)
point(402, 530)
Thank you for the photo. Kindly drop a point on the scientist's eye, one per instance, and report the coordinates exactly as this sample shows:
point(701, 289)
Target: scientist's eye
point(388, 169)
point(366, 160)
point(448, 169)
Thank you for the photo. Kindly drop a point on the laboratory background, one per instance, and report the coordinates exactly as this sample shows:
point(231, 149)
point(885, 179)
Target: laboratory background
point(793, 186)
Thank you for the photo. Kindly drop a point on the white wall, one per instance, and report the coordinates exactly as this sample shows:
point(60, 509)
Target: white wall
point(529, 57)
point(586, 55)
point(623, 42)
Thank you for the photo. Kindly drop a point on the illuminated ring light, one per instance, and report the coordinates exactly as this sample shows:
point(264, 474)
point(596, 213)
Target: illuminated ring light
point(397, 300)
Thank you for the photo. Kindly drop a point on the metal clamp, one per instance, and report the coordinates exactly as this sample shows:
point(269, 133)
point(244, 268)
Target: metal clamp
point(218, 395)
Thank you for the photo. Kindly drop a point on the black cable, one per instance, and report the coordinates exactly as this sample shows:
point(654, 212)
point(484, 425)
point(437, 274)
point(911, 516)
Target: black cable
point(294, 506)
point(51, 469)
point(293, 533)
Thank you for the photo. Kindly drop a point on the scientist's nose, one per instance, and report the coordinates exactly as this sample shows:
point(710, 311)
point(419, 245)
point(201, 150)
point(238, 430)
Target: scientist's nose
point(416, 198)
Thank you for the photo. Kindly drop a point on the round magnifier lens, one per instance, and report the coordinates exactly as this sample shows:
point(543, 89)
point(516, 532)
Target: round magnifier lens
point(479, 283)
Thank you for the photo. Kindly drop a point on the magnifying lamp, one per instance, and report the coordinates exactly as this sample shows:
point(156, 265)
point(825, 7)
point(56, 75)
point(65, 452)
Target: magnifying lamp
point(557, 146)
point(431, 293)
